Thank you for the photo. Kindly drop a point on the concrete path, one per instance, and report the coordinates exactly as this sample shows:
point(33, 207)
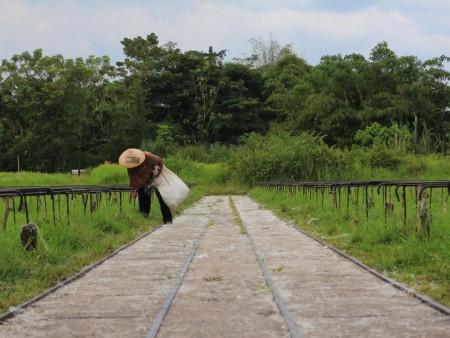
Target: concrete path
point(202, 276)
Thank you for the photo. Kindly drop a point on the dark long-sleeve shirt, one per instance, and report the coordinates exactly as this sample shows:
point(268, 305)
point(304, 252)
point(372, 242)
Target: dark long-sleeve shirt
point(143, 172)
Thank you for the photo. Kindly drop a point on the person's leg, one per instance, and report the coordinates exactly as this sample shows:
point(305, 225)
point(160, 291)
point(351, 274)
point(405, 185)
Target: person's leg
point(165, 210)
point(144, 201)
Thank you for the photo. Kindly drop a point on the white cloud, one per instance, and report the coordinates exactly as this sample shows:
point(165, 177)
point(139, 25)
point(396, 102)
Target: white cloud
point(316, 28)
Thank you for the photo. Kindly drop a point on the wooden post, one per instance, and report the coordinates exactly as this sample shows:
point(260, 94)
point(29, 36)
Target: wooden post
point(5, 215)
point(333, 196)
point(28, 235)
point(424, 221)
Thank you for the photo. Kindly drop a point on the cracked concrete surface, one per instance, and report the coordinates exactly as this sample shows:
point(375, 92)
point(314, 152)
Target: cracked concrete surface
point(224, 293)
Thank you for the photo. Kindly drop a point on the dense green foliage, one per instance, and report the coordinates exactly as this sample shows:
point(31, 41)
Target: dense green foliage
point(280, 157)
point(58, 114)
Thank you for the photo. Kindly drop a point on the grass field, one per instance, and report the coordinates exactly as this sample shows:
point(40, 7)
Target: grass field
point(67, 243)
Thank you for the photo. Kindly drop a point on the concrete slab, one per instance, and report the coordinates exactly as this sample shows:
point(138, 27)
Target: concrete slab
point(224, 292)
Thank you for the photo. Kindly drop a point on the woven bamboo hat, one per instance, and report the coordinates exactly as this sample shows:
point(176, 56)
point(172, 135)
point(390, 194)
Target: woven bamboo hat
point(131, 158)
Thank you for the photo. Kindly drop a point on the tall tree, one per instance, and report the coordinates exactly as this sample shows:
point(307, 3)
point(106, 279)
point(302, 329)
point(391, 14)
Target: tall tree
point(266, 53)
point(405, 89)
point(53, 111)
point(344, 94)
point(178, 88)
point(242, 99)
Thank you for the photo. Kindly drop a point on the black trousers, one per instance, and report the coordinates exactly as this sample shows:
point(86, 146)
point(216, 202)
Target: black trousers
point(145, 201)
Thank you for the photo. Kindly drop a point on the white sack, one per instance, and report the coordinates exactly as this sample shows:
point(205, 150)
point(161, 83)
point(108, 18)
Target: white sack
point(172, 189)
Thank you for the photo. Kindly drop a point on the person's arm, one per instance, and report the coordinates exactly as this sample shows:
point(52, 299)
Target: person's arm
point(132, 173)
point(155, 162)
point(133, 192)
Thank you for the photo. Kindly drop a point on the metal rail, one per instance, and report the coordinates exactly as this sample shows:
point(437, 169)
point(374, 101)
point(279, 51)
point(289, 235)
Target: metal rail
point(421, 189)
point(90, 194)
point(297, 186)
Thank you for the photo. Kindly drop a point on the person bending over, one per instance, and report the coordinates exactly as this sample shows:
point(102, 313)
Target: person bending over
point(143, 167)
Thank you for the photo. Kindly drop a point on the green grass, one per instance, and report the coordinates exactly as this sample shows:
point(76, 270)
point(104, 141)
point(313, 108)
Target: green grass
point(108, 174)
point(236, 217)
point(383, 242)
point(23, 178)
point(63, 247)
point(69, 242)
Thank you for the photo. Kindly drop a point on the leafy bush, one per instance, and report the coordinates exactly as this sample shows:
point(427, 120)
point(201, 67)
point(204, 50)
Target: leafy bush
point(380, 136)
point(383, 157)
point(282, 157)
point(198, 173)
point(212, 153)
point(164, 145)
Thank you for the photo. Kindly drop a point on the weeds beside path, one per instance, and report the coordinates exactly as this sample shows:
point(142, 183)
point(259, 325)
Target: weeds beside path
point(423, 265)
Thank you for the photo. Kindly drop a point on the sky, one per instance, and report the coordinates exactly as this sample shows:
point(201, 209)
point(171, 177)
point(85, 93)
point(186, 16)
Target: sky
point(314, 28)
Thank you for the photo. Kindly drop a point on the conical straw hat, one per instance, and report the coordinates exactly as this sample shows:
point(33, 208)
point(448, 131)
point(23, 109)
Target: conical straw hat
point(131, 158)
